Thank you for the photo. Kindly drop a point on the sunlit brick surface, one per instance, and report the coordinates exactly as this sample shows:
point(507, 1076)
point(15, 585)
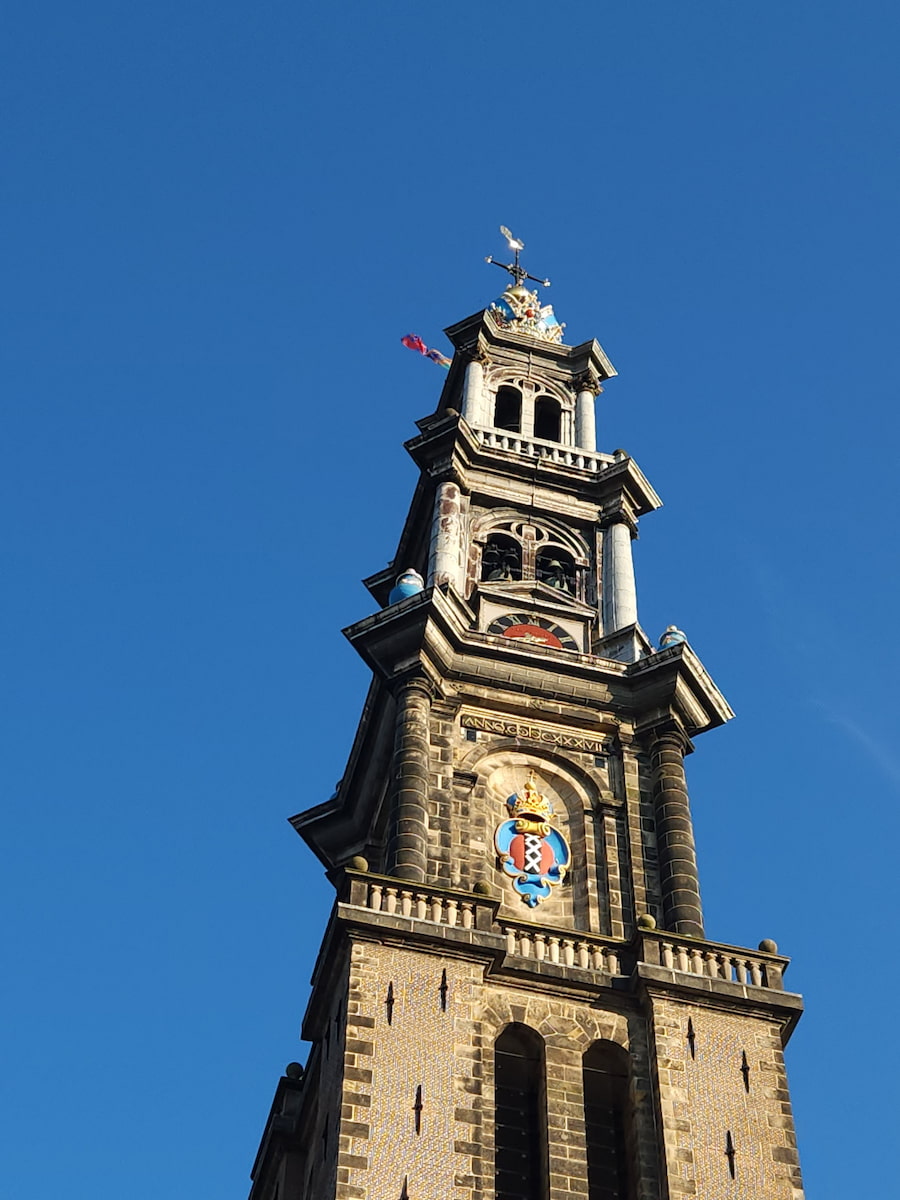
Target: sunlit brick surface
point(703, 1098)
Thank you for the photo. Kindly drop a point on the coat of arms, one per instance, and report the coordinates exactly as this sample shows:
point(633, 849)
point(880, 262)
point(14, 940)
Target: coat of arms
point(531, 851)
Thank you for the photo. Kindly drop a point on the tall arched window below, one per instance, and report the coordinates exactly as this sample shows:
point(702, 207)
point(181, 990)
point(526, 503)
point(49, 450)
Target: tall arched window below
point(606, 1123)
point(508, 410)
point(547, 419)
point(520, 1132)
point(556, 568)
point(501, 558)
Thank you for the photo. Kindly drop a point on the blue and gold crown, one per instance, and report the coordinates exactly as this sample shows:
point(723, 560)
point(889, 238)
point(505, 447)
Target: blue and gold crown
point(530, 802)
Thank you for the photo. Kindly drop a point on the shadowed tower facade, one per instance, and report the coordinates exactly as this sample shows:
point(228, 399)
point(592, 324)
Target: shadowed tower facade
point(515, 998)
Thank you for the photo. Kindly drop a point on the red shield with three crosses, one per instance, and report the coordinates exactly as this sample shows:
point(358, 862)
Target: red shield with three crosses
point(531, 853)
point(534, 854)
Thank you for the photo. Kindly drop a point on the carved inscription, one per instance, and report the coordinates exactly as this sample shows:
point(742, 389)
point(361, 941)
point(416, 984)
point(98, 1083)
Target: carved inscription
point(534, 733)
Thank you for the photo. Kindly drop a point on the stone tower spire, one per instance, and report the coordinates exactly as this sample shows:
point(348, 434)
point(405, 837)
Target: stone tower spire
point(515, 998)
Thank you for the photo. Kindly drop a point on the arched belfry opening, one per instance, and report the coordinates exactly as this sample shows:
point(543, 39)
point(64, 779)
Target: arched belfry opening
point(508, 410)
point(556, 568)
point(547, 419)
point(520, 1121)
point(501, 559)
point(607, 1131)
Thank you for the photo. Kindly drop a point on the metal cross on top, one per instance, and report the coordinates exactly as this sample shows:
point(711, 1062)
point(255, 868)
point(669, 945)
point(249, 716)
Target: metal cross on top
point(517, 271)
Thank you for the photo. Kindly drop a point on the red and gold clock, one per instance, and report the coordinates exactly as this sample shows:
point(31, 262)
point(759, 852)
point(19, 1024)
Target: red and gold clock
point(527, 627)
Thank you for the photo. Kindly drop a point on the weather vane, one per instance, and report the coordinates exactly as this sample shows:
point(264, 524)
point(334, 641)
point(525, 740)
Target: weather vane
point(517, 271)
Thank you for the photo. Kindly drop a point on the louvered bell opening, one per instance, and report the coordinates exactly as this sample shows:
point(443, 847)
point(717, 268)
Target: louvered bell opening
point(518, 1127)
point(605, 1128)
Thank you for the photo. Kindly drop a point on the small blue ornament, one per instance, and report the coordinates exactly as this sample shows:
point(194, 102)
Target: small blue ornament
point(548, 324)
point(503, 310)
point(672, 637)
point(410, 583)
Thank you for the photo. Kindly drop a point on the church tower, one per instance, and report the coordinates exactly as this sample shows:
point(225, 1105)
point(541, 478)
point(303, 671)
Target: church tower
point(515, 998)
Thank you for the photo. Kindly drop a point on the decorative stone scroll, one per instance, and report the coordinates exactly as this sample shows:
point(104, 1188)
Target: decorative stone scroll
point(535, 733)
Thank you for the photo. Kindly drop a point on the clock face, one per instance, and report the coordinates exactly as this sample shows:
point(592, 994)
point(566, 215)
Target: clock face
point(527, 627)
point(533, 633)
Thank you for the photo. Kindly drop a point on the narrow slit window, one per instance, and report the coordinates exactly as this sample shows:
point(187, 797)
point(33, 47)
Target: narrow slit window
point(730, 1153)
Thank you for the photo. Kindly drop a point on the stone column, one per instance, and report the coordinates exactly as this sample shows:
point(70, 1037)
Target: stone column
point(619, 591)
point(585, 419)
point(675, 838)
point(446, 537)
point(473, 393)
point(407, 855)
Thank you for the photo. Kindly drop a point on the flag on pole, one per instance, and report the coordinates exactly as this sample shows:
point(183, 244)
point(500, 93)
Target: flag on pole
point(412, 341)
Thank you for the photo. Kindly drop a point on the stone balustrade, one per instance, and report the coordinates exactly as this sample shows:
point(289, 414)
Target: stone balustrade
point(442, 907)
point(566, 456)
point(566, 947)
point(421, 904)
point(557, 946)
point(713, 961)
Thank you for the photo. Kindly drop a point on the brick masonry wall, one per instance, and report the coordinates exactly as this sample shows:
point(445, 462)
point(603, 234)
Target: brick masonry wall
point(448, 1053)
point(326, 1078)
point(422, 1045)
point(703, 1097)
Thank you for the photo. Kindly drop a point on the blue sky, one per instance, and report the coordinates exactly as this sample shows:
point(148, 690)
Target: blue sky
point(219, 220)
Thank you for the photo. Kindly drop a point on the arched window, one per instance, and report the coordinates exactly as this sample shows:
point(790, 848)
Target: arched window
point(502, 558)
point(520, 1132)
point(547, 419)
point(606, 1123)
point(508, 410)
point(556, 568)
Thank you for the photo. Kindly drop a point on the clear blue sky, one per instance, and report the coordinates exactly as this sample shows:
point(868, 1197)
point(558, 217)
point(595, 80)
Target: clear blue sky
point(219, 219)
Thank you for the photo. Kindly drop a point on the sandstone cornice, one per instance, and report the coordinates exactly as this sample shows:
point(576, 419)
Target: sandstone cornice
point(478, 333)
point(675, 682)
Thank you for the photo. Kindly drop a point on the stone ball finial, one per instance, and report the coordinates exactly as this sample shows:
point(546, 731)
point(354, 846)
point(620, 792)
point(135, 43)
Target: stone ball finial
point(358, 863)
point(483, 888)
point(294, 1070)
point(409, 583)
point(768, 946)
point(646, 921)
point(672, 637)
